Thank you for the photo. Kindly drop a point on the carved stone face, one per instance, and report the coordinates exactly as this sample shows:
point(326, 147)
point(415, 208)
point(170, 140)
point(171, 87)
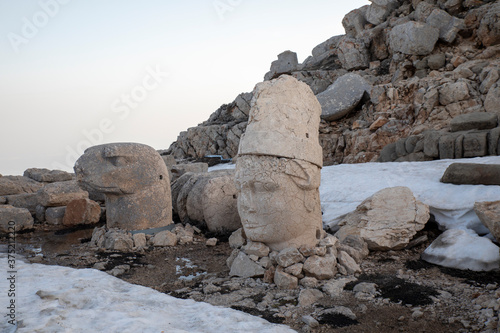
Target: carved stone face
point(134, 180)
point(278, 200)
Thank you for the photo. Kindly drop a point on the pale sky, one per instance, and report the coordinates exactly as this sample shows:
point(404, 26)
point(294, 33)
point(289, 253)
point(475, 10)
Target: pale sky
point(75, 73)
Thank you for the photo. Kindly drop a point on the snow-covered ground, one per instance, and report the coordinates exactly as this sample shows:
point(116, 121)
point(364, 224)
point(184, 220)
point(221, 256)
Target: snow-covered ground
point(62, 299)
point(344, 187)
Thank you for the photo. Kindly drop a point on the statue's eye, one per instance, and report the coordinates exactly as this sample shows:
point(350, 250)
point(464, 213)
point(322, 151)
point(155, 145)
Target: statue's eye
point(118, 161)
point(265, 186)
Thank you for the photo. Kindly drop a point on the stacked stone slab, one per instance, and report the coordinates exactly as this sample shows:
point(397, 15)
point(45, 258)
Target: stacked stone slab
point(470, 135)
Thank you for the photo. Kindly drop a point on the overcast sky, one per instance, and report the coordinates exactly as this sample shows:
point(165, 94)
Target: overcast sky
point(75, 73)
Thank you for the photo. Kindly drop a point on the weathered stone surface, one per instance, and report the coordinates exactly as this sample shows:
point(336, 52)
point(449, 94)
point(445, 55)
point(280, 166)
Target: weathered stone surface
point(165, 238)
point(431, 143)
point(339, 99)
point(387, 220)
point(82, 211)
point(60, 194)
point(476, 120)
point(308, 297)
point(413, 38)
point(287, 62)
point(180, 169)
point(135, 181)
point(98, 237)
point(47, 176)
point(243, 266)
point(447, 250)
point(27, 200)
point(472, 174)
point(453, 92)
point(447, 146)
point(288, 257)
point(211, 241)
point(237, 240)
point(436, 61)
point(219, 203)
point(348, 262)
point(256, 248)
point(278, 166)
point(321, 268)
point(379, 10)
point(55, 215)
point(489, 214)
point(488, 31)
point(448, 25)
point(492, 101)
point(284, 280)
point(295, 269)
point(140, 241)
point(475, 144)
point(353, 54)
point(14, 219)
point(354, 21)
point(10, 185)
point(118, 240)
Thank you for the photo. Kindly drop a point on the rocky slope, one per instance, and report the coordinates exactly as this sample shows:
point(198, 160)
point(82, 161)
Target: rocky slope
point(413, 67)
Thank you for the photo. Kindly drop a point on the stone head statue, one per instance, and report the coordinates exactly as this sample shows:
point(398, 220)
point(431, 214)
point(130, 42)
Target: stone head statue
point(278, 168)
point(134, 180)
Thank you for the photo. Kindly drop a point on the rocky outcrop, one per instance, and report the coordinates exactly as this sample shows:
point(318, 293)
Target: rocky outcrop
point(426, 63)
point(13, 219)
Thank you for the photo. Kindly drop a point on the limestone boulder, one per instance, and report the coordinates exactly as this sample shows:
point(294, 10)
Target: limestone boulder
point(245, 267)
point(476, 120)
point(47, 176)
point(488, 31)
point(60, 194)
point(55, 215)
point(342, 97)
point(118, 240)
point(449, 26)
point(10, 185)
point(14, 219)
point(353, 53)
point(388, 220)
point(165, 238)
point(82, 211)
point(472, 174)
point(489, 214)
point(492, 101)
point(453, 92)
point(321, 268)
point(379, 10)
point(288, 257)
point(413, 38)
point(284, 280)
point(354, 22)
point(25, 200)
point(287, 62)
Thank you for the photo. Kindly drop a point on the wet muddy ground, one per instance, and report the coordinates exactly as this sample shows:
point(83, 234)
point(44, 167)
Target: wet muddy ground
point(411, 295)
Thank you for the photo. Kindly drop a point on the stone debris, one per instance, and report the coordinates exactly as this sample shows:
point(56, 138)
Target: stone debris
point(387, 220)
